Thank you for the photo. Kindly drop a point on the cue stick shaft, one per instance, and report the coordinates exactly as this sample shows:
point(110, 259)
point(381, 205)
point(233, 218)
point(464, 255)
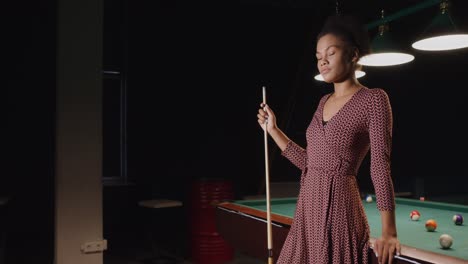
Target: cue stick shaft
point(267, 185)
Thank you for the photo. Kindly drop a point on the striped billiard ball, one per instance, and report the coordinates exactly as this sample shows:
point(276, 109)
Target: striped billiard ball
point(458, 219)
point(415, 215)
point(431, 225)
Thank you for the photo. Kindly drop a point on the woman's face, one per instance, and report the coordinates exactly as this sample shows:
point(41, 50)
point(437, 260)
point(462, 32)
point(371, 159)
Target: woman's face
point(333, 59)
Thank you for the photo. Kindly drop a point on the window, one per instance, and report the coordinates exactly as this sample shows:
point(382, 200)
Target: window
point(114, 102)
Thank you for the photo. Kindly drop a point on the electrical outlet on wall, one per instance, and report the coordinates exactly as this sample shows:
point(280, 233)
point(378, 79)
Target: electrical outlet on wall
point(94, 246)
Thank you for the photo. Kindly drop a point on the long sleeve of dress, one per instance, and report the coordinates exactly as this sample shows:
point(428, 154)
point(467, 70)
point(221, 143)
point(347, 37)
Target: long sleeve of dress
point(380, 133)
point(296, 154)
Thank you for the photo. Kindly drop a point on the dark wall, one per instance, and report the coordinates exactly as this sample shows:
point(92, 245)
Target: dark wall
point(428, 101)
point(195, 83)
point(28, 179)
point(195, 80)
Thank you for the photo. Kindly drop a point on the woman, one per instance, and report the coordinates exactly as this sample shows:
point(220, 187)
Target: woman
point(330, 225)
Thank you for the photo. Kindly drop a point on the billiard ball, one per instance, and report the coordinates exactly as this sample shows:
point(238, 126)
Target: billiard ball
point(414, 215)
point(431, 225)
point(458, 219)
point(369, 199)
point(445, 241)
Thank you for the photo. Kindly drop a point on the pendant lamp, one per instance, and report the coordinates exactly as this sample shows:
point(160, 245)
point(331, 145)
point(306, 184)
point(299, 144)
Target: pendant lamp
point(442, 33)
point(385, 51)
point(358, 73)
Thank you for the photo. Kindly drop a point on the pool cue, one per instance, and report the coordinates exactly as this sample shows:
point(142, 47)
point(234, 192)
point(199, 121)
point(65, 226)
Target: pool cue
point(267, 184)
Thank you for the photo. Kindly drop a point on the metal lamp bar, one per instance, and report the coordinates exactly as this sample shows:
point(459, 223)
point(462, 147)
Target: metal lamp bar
point(403, 12)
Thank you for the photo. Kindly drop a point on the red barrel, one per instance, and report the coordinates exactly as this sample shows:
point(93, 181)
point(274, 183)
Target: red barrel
point(207, 245)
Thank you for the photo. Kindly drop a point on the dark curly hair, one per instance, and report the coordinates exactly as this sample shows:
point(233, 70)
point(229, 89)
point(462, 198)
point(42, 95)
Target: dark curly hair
point(349, 29)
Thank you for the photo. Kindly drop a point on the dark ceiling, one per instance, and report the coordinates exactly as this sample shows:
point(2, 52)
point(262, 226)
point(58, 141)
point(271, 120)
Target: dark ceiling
point(370, 11)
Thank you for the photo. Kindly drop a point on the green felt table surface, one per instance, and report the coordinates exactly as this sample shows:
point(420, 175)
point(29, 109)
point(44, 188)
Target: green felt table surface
point(411, 233)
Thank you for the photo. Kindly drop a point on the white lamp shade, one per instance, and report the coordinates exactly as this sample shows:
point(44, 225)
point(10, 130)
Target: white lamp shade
point(359, 74)
point(447, 42)
point(386, 59)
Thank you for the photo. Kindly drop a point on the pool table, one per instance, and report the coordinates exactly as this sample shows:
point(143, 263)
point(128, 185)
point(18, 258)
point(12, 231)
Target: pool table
point(243, 224)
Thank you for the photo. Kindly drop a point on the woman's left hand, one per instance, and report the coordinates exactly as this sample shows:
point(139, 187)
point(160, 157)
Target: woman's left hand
point(385, 248)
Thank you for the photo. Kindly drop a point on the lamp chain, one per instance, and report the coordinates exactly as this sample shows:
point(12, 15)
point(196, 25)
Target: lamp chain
point(384, 26)
point(444, 5)
point(337, 8)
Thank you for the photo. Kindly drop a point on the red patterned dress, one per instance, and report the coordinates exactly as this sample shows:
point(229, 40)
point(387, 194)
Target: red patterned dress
point(330, 225)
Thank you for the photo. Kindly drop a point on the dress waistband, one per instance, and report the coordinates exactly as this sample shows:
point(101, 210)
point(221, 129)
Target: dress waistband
point(340, 166)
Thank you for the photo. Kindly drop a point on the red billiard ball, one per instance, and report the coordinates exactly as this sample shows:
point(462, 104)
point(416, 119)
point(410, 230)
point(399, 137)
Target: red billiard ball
point(431, 225)
point(458, 219)
point(415, 215)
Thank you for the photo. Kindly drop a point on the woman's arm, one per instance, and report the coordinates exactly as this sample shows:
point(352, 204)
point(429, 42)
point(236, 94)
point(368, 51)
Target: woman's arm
point(387, 245)
point(380, 133)
point(296, 154)
point(380, 136)
point(280, 138)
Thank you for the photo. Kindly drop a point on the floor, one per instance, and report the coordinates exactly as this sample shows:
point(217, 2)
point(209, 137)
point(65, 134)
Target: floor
point(142, 257)
point(240, 259)
point(130, 248)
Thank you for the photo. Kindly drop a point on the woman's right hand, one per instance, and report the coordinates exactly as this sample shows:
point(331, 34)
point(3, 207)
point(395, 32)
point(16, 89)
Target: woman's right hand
point(265, 114)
